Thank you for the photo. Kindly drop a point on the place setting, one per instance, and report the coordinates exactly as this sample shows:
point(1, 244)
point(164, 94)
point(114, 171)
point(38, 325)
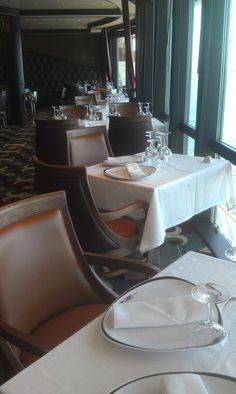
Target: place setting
point(170, 314)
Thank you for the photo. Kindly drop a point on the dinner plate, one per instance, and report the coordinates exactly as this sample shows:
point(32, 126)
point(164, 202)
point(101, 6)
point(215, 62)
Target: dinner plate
point(200, 383)
point(122, 174)
point(161, 338)
point(122, 160)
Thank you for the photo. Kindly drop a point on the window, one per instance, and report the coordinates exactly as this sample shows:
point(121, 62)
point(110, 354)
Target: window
point(228, 133)
point(193, 67)
point(121, 59)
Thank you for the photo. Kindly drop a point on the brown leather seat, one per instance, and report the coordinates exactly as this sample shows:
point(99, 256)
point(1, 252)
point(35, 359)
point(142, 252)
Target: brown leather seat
point(127, 109)
point(127, 133)
point(48, 289)
point(50, 139)
point(88, 146)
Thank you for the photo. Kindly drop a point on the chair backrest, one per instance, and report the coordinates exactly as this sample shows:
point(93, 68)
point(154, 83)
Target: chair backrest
point(50, 139)
point(93, 234)
point(74, 111)
point(127, 109)
point(84, 100)
point(42, 267)
point(88, 146)
point(127, 133)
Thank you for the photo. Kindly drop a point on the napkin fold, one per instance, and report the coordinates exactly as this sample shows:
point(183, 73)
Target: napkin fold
point(123, 159)
point(134, 170)
point(163, 312)
point(182, 384)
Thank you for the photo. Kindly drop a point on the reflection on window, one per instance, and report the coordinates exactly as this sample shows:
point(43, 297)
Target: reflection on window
point(122, 60)
point(193, 78)
point(229, 119)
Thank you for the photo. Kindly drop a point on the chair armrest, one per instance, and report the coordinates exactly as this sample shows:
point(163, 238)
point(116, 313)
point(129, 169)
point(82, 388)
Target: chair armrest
point(118, 213)
point(121, 263)
point(22, 340)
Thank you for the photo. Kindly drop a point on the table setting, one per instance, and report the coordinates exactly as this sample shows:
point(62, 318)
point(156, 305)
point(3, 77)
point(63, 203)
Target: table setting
point(140, 363)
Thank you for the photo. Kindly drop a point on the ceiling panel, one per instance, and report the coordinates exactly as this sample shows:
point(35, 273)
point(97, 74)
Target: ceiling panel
point(68, 14)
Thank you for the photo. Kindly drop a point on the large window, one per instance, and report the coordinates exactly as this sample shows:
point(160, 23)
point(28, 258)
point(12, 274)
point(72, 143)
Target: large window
point(121, 59)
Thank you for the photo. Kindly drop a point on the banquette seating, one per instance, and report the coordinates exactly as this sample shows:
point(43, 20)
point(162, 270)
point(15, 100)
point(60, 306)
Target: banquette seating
point(48, 286)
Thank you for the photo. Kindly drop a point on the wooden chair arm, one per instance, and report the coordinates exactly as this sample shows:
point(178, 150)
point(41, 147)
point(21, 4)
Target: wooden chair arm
point(118, 213)
point(121, 263)
point(22, 340)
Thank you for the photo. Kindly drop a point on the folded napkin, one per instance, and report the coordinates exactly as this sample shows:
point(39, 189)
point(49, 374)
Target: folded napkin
point(123, 159)
point(207, 159)
point(163, 312)
point(134, 170)
point(182, 384)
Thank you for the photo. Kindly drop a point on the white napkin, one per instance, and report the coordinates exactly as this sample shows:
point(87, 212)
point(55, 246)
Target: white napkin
point(134, 170)
point(123, 159)
point(182, 384)
point(163, 312)
point(207, 159)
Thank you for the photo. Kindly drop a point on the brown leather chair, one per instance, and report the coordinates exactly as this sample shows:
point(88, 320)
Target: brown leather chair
point(74, 111)
point(112, 233)
point(51, 140)
point(127, 109)
point(48, 287)
point(127, 133)
point(84, 100)
point(88, 146)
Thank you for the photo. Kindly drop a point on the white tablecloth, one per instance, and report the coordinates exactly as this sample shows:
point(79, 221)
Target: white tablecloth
point(156, 124)
point(179, 190)
point(88, 363)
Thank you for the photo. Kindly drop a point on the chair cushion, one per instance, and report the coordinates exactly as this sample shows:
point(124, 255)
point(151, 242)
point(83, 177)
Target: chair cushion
point(125, 227)
point(62, 326)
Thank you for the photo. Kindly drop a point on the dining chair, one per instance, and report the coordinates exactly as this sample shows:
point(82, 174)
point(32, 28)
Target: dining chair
point(74, 111)
point(50, 139)
point(88, 145)
point(127, 109)
point(84, 100)
point(48, 285)
point(112, 232)
point(127, 133)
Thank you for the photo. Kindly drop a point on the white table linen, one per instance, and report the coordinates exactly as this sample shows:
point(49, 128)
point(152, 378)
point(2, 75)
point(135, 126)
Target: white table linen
point(89, 363)
point(178, 190)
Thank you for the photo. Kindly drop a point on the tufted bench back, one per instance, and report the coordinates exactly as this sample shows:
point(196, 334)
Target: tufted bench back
point(49, 75)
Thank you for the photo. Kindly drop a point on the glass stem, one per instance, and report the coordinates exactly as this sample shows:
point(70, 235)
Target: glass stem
point(208, 313)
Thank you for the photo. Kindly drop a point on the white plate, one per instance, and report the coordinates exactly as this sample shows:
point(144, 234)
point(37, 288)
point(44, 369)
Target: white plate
point(122, 160)
point(214, 384)
point(122, 174)
point(159, 338)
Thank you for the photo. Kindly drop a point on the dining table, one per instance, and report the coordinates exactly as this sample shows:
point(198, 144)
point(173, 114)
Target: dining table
point(175, 191)
point(90, 361)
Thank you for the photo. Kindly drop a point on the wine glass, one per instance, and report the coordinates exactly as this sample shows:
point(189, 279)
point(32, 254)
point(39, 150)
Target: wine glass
point(151, 152)
point(164, 151)
point(140, 108)
point(148, 112)
point(211, 293)
point(230, 253)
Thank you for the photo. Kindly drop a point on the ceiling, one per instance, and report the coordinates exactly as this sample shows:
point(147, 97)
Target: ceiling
point(67, 15)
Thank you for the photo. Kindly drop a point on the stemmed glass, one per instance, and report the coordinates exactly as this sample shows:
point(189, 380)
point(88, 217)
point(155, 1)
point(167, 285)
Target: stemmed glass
point(164, 151)
point(148, 112)
point(211, 293)
point(230, 253)
point(140, 108)
point(151, 152)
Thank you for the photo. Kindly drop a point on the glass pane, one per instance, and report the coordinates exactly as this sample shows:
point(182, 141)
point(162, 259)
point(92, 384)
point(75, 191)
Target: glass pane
point(193, 83)
point(122, 59)
point(189, 144)
point(229, 119)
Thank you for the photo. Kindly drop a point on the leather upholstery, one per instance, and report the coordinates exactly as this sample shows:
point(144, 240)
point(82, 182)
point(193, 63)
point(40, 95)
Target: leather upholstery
point(127, 134)
point(62, 326)
point(51, 141)
point(48, 75)
point(88, 145)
